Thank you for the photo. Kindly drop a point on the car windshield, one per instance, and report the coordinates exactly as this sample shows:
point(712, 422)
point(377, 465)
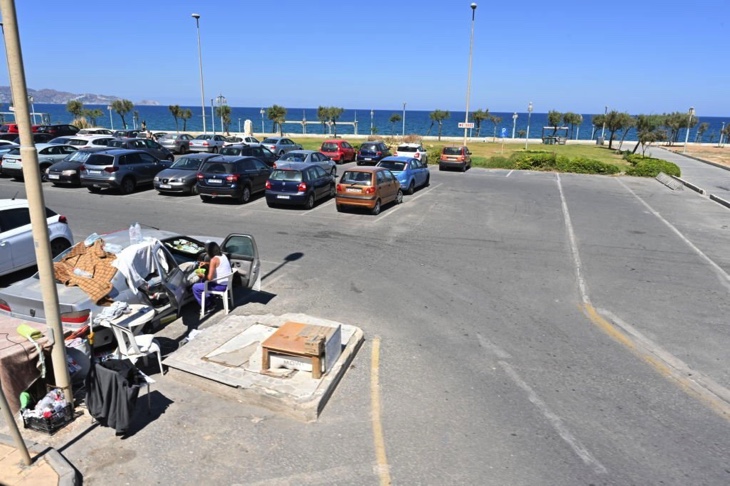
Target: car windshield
point(357, 178)
point(231, 151)
point(203, 137)
point(218, 168)
point(294, 157)
point(77, 142)
point(452, 150)
point(116, 143)
point(393, 165)
point(368, 146)
point(99, 159)
point(186, 163)
point(286, 175)
point(271, 140)
point(406, 148)
point(14, 151)
point(329, 147)
point(78, 156)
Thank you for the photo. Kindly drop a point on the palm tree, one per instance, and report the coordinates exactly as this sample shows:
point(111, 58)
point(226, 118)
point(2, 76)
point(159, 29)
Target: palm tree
point(323, 115)
point(479, 116)
point(75, 107)
point(175, 111)
point(394, 118)
point(496, 120)
point(122, 107)
point(335, 113)
point(185, 114)
point(572, 119)
point(701, 129)
point(439, 116)
point(277, 114)
point(224, 112)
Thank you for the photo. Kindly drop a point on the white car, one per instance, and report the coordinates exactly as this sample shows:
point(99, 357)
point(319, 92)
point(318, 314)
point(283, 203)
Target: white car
point(94, 131)
point(245, 140)
point(414, 150)
point(88, 140)
point(48, 154)
point(16, 238)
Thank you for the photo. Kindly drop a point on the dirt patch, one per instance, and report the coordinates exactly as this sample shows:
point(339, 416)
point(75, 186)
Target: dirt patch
point(718, 155)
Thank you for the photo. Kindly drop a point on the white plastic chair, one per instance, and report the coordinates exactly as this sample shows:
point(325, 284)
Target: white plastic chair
point(226, 294)
point(135, 347)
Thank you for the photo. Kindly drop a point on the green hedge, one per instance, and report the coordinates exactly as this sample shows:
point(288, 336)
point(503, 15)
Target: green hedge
point(650, 167)
point(582, 165)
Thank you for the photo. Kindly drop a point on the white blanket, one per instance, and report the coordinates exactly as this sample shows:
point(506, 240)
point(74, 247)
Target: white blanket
point(136, 262)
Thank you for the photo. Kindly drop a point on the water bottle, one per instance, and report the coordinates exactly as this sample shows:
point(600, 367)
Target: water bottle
point(135, 233)
point(138, 232)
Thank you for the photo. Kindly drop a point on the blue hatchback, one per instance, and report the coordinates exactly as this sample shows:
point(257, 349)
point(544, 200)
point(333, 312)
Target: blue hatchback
point(298, 184)
point(411, 173)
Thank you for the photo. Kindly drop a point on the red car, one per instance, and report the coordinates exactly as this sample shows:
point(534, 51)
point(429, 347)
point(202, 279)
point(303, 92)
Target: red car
point(13, 128)
point(338, 150)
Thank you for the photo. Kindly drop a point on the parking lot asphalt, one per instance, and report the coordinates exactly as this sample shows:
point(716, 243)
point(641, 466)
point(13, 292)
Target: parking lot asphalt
point(524, 328)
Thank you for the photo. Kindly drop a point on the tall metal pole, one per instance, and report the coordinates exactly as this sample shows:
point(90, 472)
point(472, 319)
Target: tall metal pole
point(529, 114)
point(722, 133)
point(689, 124)
point(262, 120)
point(212, 115)
point(36, 202)
point(372, 127)
point(111, 120)
point(404, 120)
point(200, 61)
point(514, 124)
point(468, 78)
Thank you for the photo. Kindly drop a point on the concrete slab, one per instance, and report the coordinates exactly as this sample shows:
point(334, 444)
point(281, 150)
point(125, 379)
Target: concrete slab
point(226, 358)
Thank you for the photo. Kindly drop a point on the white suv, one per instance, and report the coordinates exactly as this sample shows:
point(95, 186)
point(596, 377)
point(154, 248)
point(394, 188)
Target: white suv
point(16, 238)
point(414, 150)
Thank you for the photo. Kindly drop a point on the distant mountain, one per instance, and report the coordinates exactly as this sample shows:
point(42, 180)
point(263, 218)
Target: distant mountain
point(62, 97)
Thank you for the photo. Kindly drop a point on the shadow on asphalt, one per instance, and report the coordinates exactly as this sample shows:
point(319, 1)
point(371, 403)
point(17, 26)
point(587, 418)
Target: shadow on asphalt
point(158, 404)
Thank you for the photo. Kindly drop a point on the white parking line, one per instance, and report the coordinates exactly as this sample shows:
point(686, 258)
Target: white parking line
point(413, 198)
point(509, 173)
point(327, 203)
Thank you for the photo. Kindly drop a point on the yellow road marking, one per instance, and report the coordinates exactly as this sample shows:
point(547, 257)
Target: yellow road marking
point(379, 442)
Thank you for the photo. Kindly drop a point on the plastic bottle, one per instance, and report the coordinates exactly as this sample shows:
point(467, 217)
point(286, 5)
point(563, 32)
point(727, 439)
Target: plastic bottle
point(138, 232)
point(135, 233)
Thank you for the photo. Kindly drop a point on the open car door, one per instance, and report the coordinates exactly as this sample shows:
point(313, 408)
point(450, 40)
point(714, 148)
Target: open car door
point(244, 257)
point(173, 282)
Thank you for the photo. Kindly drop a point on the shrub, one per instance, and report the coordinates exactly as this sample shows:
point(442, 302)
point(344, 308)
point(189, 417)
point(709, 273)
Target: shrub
point(534, 160)
point(496, 162)
point(434, 154)
point(582, 165)
point(652, 167)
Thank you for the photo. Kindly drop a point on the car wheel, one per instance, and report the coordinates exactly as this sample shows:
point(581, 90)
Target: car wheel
point(463, 169)
point(376, 209)
point(441, 167)
point(412, 188)
point(58, 246)
point(340, 208)
point(44, 175)
point(245, 195)
point(194, 190)
point(333, 191)
point(127, 186)
point(270, 204)
point(399, 197)
point(183, 150)
point(309, 203)
point(428, 181)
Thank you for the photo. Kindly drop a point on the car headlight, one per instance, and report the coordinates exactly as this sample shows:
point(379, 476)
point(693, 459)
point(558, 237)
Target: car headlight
point(157, 179)
point(68, 172)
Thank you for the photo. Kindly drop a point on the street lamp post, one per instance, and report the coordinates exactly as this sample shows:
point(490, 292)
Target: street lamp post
point(239, 125)
point(221, 100)
point(529, 114)
point(514, 124)
point(603, 129)
point(200, 61)
point(32, 107)
point(404, 119)
point(111, 120)
point(468, 78)
point(372, 127)
point(263, 112)
point(689, 124)
point(722, 134)
point(212, 115)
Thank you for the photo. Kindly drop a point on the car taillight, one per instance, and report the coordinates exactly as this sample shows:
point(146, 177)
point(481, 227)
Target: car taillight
point(4, 306)
point(199, 175)
point(369, 190)
point(62, 219)
point(340, 188)
point(379, 154)
point(274, 166)
point(417, 155)
point(111, 169)
point(268, 184)
point(76, 317)
point(205, 144)
point(461, 158)
point(82, 167)
point(232, 178)
point(302, 187)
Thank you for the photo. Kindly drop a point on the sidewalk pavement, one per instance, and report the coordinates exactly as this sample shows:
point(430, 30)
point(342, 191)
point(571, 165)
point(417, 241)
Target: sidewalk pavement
point(713, 179)
point(49, 467)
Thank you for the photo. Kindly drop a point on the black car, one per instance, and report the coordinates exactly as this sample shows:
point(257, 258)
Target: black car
point(250, 150)
point(37, 138)
point(371, 153)
point(66, 172)
point(150, 146)
point(58, 130)
point(299, 184)
point(232, 177)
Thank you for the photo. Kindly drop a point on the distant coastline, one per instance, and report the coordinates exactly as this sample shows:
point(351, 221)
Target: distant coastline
point(53, 97)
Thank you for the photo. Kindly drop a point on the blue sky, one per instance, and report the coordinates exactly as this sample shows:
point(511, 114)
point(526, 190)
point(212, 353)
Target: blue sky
point(640, 56)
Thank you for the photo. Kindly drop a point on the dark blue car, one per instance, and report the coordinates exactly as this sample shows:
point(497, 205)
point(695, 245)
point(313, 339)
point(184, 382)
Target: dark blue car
point(298, 184)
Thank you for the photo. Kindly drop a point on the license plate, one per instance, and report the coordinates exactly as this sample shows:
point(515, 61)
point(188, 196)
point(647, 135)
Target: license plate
point(54, 176)
point(94, 172)
point(165, 186)
point(353, 189)
point(215, 181)
point(282, 197)
point(367, 159)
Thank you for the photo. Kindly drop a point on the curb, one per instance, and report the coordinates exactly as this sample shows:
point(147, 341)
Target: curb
point(67, 475)
point(720, 200)
point(690, 185)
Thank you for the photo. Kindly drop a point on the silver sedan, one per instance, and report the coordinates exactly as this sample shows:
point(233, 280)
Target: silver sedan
point(309, 156)
point(178, 143)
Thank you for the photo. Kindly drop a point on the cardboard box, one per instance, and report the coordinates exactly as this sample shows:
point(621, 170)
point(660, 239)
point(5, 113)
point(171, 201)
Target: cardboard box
point(314, 340)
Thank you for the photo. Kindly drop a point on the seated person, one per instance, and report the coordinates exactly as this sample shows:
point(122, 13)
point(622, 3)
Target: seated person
point(217, 266)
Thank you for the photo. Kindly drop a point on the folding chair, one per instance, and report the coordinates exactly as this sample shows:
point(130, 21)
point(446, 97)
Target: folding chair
point(135, 347)
point(224, 294)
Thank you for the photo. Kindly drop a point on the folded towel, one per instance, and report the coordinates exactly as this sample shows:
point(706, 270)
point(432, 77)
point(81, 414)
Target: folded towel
point(29, 332)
